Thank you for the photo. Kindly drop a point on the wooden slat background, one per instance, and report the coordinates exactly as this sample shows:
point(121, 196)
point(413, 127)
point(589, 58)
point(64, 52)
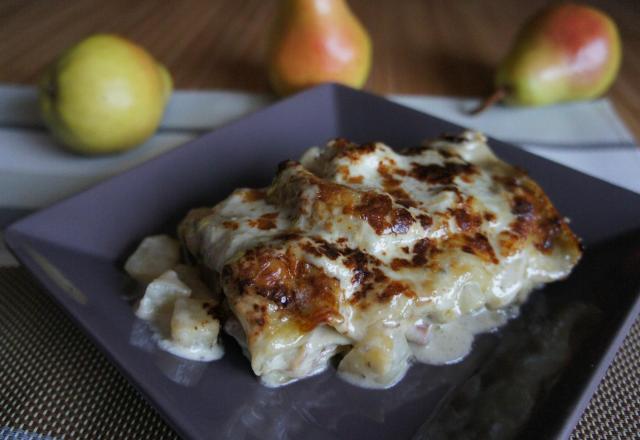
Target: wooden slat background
point(446, 47)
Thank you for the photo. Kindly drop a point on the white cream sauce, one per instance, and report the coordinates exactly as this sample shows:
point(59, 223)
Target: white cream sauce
point(203, 354)
point(436, 344)
point(451, 342)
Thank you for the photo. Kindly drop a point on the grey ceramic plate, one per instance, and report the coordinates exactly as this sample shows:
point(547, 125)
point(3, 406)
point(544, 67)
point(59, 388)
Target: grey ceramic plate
point(534, 377)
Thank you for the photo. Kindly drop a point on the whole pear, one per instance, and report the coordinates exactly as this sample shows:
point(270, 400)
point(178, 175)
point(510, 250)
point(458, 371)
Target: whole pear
point(104, 95)
point(317, 41)
point(566, 52)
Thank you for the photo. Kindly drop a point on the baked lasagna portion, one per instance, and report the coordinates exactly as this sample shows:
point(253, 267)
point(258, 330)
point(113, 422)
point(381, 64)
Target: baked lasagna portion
point(382, 256)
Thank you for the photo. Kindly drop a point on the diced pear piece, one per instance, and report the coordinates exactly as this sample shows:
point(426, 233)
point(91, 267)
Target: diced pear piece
point(192, 326)
point(153, 257)
point(160, 296)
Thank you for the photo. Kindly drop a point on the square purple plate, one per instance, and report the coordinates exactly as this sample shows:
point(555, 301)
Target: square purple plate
point(532, 378)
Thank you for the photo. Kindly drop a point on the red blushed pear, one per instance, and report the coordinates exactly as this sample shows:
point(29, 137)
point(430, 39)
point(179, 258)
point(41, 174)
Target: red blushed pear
point(567, 52)
point(317, 41)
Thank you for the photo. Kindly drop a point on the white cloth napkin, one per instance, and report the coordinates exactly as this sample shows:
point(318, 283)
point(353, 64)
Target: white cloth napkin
point(34, 172)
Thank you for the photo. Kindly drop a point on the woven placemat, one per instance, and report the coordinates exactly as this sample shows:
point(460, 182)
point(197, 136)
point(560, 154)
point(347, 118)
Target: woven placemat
point(54, 382)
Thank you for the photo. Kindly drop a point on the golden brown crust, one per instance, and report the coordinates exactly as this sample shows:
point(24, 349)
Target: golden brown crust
point(443, 174)
point(536, 219)
point(252, 194)
point(265, 221)
point(301, 290)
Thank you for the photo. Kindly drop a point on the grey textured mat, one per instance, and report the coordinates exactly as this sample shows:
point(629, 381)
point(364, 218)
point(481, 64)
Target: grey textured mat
point(53, 380)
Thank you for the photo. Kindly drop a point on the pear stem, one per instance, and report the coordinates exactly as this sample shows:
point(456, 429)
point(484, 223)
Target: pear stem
point(494, 98)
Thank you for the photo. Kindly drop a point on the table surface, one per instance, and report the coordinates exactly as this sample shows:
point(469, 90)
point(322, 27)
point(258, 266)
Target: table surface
point(436, 47)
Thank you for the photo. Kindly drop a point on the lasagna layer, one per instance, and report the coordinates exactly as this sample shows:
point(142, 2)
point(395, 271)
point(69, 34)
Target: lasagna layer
point(380, 255)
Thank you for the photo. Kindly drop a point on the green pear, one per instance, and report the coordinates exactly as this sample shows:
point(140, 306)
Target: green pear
point(567, 52)
point(104, 95)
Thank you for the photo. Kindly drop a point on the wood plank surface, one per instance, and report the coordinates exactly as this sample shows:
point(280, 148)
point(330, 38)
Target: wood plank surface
point(443, 47)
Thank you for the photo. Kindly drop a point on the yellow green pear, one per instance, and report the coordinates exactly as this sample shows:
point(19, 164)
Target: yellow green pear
point(104, 95)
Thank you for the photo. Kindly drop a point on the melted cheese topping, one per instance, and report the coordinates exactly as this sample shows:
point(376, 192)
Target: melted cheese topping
point(380, 254)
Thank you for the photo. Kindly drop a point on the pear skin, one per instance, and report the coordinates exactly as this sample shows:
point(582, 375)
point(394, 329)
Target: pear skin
point(167, 82)
point(317, 41)
point(104, 95)
point(566, 52)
